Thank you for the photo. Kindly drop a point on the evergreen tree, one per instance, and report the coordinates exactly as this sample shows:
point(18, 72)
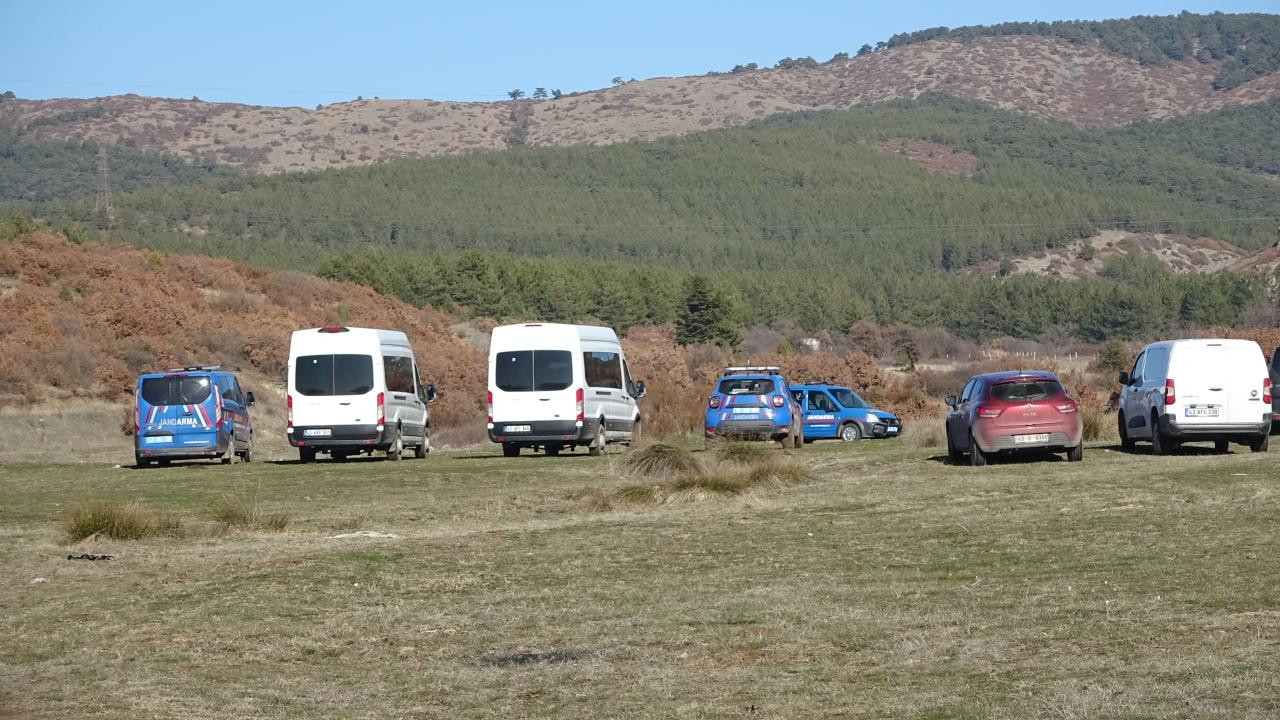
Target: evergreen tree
point(706, 315)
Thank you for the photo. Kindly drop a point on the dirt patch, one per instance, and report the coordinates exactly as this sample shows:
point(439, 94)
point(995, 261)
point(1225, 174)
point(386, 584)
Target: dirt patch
point(1086, 258)
point(935, 158)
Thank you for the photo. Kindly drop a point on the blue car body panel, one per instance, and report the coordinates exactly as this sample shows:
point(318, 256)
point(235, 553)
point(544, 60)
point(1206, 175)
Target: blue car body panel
point(750, 413)
point(186, 414)
point(825, 415)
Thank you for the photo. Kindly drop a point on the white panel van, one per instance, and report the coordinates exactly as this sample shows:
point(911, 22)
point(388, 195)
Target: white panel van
point(1189, 390)
point(555, 386)
point(356, 390)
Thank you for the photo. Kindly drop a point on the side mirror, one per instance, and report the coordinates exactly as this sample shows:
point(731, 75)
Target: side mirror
point(1124, 378)
point(249, 399)
point(639, 393)
point(951, 401)
point(431, 394)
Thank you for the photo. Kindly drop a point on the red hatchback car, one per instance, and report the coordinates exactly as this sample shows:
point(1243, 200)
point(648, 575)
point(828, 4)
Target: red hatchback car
point(1013, 412)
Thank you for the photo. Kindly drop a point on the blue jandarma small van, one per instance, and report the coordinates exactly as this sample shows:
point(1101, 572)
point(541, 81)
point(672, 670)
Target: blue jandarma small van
point(191, 413)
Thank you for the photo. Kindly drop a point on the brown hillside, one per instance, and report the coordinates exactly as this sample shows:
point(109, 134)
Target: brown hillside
point(1079, 84)
point(78, 322)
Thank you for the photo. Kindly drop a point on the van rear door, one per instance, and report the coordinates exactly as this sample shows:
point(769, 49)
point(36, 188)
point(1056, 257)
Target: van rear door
point(176, 410)
point(532, 386)
point(334, 390)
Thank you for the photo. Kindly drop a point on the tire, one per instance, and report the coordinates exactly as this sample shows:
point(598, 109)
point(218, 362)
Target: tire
point(423, 447)
point(977, 458)
point(798, 441)
point(510, 450)
point(306, 455)
point(1259, 444)
point(230, 455)
point(1076, 454)
point(1160, 445)
point(1126, 442)
point(598, 442)
point(552, 450)
point(954, 456)
point(1221, 446)
point(141, 463)
point(165, 462)
point(636, 433)
point(396, 449)
point(247, 455)
point(849, 432)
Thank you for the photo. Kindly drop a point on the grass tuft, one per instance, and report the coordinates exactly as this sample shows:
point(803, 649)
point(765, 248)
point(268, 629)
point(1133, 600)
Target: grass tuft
point(660, 460)
point(742, 452)
point(118, 521)
point(247, 514)
point(1094, 423)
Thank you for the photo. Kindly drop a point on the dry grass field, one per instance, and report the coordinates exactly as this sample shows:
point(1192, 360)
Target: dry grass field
point(879, 583)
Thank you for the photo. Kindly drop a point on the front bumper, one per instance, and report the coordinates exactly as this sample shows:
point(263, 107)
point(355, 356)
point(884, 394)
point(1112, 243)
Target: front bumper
point(881, 429)
point(1169, 427)
point(360, 437)
point(542, 431)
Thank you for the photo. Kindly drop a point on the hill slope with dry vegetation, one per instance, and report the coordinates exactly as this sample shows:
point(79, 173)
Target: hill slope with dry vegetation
point(1078, 83)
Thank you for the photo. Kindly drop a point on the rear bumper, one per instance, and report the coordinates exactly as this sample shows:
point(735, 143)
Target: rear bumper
point(1062, 436)
point(542, 431)
point(747, 428)
point(1170, 427)
point(361, 437)
point(212, 446)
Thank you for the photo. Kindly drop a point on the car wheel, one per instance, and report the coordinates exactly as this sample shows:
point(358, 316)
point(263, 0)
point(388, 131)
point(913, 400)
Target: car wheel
point(850, 432)
point(1259, 444)
point(598, 442)
point(247, 455)
point(230, 455)
point(798, 441)
point(165, 462)
point(1126, 442)
point(306, 455)
point(141, 463)
point(1160, 445)
point(396, 449)
point(1076, 454)
point(424, 447)
point(552, 450)
point(977, 458)
point(510, 449)
point(954, 456)
point(1221, 446)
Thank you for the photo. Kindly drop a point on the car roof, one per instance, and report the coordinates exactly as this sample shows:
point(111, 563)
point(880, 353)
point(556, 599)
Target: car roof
point(748, 376)
point(1011, 375)
point(824, 386)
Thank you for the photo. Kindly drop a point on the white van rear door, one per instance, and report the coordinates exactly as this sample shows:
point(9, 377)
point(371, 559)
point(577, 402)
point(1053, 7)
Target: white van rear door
point(1201, 384)
point(533, 386)
point(1244, 370)
point(333, 390)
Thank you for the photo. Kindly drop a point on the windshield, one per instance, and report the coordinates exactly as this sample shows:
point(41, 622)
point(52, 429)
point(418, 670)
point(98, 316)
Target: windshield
point(1025, 391)
point(177, 390)
point(533, 370)
point(322, 375)
point(849, 399)
point(746, 386)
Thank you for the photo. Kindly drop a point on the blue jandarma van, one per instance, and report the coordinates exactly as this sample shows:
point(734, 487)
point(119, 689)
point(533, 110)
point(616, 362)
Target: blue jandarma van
point(191, 413)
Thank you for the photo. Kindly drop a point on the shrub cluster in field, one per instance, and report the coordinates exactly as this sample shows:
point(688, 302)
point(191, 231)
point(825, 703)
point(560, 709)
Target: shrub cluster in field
point(672, 475)
point(132, 521)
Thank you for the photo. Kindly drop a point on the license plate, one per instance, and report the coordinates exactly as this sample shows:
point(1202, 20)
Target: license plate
point(1202, 411)
point(746, 411)
point(893, 428)
point(1030, 439)
point(158, 439)
point(519, 428)
point(317, 432)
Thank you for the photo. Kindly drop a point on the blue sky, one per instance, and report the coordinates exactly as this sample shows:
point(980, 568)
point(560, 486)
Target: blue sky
point(306, 53)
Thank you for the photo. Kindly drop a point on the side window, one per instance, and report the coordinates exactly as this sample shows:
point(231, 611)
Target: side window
point(1157, 363)
point(1138, 365)
point(227, 387)
point(964, 394)
point(798, 396)
point(628, 382)
point(235, 383)
point(820, 401)
point(602, 369)
point(399, 373)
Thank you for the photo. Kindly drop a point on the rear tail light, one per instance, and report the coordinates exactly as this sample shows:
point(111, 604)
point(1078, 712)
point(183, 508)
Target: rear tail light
point(1170, 397)
point(488, 401)
point(289, 402)
point(989, 412)
point(382, 417)
point(1067, 407)
point(217, 407)
point(1266, 390)
point(581, 405)
point(713, 402)
point(778, 401)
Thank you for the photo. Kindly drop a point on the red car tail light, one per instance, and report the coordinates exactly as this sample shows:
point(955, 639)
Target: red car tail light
point(1266, 390)
point(1170, 396)
point(582, 407)
point(381, 410)
point(1069, 406)
point(779, 401)
point(989, 412)
point(288, 401)
point(713, 402)
point(488, 401)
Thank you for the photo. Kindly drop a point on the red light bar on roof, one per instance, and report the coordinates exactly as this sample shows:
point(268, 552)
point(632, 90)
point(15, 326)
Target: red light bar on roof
point(334, 329)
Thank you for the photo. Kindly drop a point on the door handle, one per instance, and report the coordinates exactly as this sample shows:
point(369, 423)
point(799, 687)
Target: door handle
point(344, 403)
point(1215, 389)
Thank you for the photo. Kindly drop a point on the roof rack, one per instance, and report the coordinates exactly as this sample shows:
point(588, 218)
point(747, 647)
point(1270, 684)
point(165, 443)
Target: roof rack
point(195, 368)
point(819, 382)
point(762, 369)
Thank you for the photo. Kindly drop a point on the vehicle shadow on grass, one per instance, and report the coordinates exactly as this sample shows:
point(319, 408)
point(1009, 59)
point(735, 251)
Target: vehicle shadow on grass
point(531, 456)
point(1021, 458)
point(1188, 450)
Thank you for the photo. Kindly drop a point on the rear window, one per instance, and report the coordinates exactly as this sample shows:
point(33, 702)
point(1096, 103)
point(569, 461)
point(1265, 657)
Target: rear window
point(1025, 391)
point(321, 375)
point(746, 386)
point(184, 390)
point(533, 370)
